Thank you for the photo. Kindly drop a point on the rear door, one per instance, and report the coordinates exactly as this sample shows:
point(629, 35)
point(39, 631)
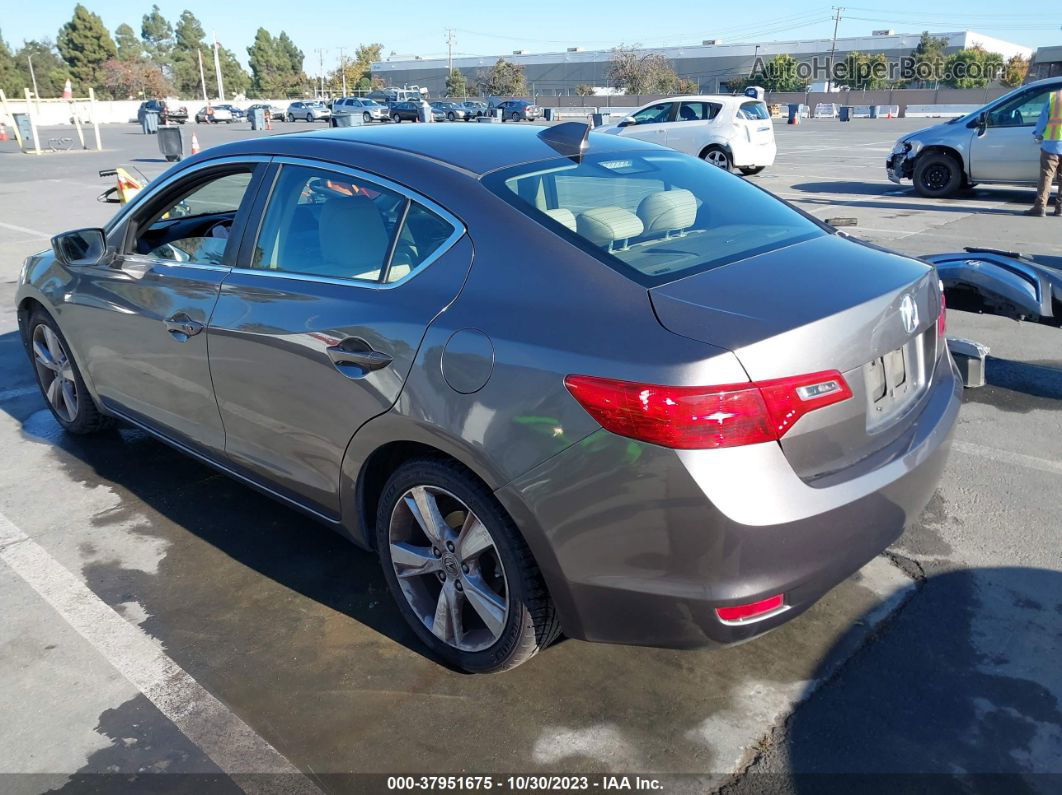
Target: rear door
point(1006, 151)
point(315, 331)
point(651, 124)
point(690, 130)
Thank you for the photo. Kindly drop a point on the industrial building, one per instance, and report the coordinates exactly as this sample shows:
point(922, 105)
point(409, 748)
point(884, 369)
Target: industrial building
point(711, 63)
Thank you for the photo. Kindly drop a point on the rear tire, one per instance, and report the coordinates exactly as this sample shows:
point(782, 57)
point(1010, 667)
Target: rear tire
point(515, 117)
point(396, 118)
point(501, 572)
point(59, 379)
point(748, 171)
point(451, 116)
point(937, 176)
point(366, 118)
point(291, 118)
point(718, 156)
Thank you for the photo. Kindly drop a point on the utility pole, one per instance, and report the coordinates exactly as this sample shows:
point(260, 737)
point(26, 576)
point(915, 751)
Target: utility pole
point(320, 68)
point(343, 67)
point(450, 51)
point(838, 10)
point(202, 76)
point(217, 70)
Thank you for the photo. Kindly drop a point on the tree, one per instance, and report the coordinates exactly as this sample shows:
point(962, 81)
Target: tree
point(237, 81)
point(85, 45)
point(10, 78)
point(276, 66)
point(188, 45)
point(157, 34)
point(584, 90)
point(861, 71)
point(929, 59)
point(780, 74)
point(455, 84)
point(135, 79)
point(1015, 71)
point(49, 69)
point(188, 32)
point(972, 68)
point(687, 85)
point(635, 73)
point(128, 43)
point(504, 79)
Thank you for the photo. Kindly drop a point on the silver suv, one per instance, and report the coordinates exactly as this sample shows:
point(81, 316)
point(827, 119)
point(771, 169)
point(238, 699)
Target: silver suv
point(992, 144)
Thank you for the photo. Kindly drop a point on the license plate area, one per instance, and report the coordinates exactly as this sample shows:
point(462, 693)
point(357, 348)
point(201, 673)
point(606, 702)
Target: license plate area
point(893, 383)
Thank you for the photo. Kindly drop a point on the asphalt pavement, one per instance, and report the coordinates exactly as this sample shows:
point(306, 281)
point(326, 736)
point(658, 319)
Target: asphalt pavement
point(160, 618)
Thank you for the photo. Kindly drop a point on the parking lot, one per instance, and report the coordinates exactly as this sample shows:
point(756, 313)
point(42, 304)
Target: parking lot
point(162, 618)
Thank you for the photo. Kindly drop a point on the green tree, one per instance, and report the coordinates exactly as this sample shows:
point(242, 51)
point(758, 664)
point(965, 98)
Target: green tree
point(635, 73)
point(129, 45)
point(85, 45)
point(928, 60)
point(49, 69)
point(862, 71)
point(780, 74)
point(584, 90)
point(188, 45)
point(687, 85)
point(10, 78)
point(188, 32)
point(276, 66)
point(157, 33)
point(504, 79)
point(455, 84)
point(972, 68)
point(236, 79)
point(1015, 71)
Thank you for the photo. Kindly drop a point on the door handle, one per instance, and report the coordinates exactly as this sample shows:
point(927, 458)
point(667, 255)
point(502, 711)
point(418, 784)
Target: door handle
point(354, 357)
point(181, 327)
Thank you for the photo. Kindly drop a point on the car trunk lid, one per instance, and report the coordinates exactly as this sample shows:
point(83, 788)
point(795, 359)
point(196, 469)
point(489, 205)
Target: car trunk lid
point(821, 305)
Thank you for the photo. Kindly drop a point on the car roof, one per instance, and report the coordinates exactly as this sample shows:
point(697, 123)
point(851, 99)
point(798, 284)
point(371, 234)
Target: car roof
point(472, 148)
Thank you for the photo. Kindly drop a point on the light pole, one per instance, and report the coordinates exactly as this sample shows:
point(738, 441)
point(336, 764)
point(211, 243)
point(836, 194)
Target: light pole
point(833, 47)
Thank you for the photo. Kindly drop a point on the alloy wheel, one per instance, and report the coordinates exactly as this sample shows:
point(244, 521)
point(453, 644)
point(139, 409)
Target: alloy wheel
point(448, 568)
point(56, 372)
point(717, 157)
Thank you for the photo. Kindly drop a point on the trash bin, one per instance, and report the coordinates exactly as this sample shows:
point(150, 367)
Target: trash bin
point(844, 113)
point(873, 111)
point(150, 123)
point(794, 113)
point(343, 119)
point(547, 114)
point(25, 129)
point(597, 119)
point(170, 143)
point(258, 120)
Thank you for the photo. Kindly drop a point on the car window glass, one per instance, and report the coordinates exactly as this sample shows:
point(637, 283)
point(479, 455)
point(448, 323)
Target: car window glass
point(754, 111)
point(1021, 111)
point(654, 114)
point(195, 226)
point(697, 111)
point(422, 234)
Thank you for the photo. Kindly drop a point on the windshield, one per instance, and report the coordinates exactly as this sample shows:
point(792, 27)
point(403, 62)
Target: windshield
point(654, 216)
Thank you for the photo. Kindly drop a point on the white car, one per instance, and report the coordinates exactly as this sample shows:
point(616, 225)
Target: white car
point(213, 115)
point(726, 130)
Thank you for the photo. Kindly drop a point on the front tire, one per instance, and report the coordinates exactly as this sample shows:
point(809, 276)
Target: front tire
point(937, 176)
point(515, 117)
point(60, 380)
point(463, 577)
point(366, 118)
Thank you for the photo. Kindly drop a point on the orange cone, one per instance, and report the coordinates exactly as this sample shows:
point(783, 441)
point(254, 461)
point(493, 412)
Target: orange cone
point(3, 131)
point(269, 121)
point(195, 145)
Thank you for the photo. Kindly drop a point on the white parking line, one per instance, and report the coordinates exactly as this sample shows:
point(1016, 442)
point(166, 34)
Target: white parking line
point(1007, 457)
point(232, 745)
point(25, 231)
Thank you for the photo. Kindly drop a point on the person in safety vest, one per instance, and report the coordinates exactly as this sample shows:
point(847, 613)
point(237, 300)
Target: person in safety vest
point(1048, 132)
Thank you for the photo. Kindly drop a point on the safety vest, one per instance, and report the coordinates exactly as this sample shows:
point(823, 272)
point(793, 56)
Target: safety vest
point(1053, 130)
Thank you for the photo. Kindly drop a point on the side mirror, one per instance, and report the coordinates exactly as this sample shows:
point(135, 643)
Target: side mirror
point(80, 247)
point(982, 123)
point(628, 121)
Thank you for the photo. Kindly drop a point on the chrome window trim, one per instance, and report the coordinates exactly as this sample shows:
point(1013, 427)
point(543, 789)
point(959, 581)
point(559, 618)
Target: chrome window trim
point(458, 228)
point(153, 262)
point(153, 188)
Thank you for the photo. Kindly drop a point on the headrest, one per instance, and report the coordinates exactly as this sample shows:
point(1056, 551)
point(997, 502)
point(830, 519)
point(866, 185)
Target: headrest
point(668, 210)
point(563, 216)
point(604, 225)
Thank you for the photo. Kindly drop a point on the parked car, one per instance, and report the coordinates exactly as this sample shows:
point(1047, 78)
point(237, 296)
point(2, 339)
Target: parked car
point(474, 109)
point(726, 130)
point(166, 111)
point(270, 111)
point(309, 111)
point(993, 144)
point(557, 381)
point(214, 114)
point(519, 110)
point(452, 111)
point(369, 109)
point(410, 111)
point(238, 114)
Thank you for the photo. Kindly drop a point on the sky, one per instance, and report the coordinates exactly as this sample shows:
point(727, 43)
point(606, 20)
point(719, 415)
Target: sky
point(496, 27)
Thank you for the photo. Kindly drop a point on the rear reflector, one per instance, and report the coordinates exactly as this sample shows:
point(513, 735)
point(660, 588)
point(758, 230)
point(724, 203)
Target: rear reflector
point(739, 613)
point(942, 318)
point(706, 417)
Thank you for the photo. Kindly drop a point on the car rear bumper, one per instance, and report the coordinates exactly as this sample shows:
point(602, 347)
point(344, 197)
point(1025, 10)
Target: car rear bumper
point(637, 548)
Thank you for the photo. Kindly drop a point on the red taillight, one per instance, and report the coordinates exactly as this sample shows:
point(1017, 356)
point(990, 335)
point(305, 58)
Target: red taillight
point(942, 318)
point(739, 613)
point(696, 418)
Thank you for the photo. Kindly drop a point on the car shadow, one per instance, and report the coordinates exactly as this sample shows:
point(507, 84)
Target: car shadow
point(278, 542)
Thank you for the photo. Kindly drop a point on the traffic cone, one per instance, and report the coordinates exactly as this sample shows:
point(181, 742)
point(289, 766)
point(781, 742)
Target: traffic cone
point(195, 144)
point(3, 131)
point(269, 121)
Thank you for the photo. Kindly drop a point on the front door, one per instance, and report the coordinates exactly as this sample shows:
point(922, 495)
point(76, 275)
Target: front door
point(139, 322)
point(1006, 151)
point(651, 124)
point(316, 331)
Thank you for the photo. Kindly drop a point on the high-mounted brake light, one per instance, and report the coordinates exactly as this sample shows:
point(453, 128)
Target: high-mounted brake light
point(697, 418)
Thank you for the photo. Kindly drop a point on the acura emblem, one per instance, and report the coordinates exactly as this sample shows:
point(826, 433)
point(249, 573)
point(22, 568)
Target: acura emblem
point(909, 314)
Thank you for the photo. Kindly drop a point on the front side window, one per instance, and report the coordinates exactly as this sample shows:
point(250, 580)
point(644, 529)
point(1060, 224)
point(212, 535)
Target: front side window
point(653, 216)
point(324, 223)
point(1021, 111)
point(654, 114)
point(194, 225)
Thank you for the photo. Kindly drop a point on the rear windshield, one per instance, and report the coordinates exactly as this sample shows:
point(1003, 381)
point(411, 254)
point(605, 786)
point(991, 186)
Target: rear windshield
point(655, 216)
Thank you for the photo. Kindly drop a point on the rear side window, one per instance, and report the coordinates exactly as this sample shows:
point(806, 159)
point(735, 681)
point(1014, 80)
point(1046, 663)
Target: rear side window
point(754, 111)
point(653, 216)
point(324, 223)
point(697, 111)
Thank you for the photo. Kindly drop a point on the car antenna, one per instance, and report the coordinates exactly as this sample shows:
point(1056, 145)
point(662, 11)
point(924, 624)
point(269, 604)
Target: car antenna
point(569, 138)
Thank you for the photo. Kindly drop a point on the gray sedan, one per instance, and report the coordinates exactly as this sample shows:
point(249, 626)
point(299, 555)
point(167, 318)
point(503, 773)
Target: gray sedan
point(557, 381)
